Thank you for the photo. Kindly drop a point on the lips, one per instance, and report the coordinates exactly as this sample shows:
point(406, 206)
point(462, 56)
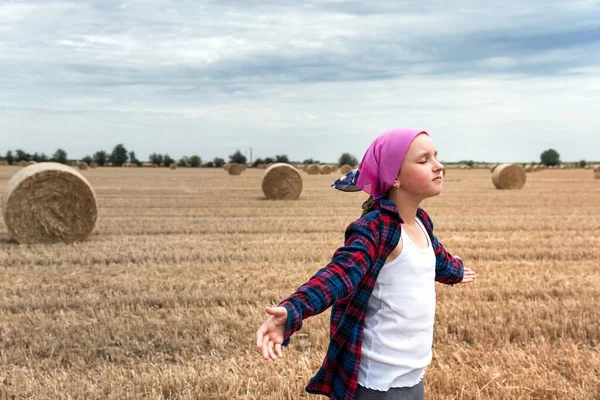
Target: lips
point(438, 178)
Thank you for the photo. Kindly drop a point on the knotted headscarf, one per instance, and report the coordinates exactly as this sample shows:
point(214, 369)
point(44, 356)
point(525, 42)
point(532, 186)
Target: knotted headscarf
point(381, 163)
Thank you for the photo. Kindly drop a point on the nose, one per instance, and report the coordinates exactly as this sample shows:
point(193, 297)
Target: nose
point(439, 166)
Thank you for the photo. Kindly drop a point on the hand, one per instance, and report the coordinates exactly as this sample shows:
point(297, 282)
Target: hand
point(269, 336)
point(468, 275)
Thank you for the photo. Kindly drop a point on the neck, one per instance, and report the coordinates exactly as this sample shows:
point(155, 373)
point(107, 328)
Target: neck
point(407, 205)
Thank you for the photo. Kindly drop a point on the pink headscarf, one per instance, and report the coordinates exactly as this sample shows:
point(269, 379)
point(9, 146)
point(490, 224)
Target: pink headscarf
point(381, 163)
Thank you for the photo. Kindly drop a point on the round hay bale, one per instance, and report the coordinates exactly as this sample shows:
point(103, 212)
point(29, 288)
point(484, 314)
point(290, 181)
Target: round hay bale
point(244, 167)
point(313, 169)
point(3, 162)
point(82, 165)
point(173, 166)
point(528, 168)
point(536, 168)
point(326, 169)
point(235, 169)
point(493, 168)
point(345, 169)
point(335, 168)
point(509, 176)
point(94, 165)
point(282, 181)
point(48, 203)
point(226, 166)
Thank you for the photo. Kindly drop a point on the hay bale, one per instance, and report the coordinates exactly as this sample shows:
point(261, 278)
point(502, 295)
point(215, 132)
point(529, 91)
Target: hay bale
point(528, 168)
point(313, 169)
point(282, 181)
point(493, 168)
point(536, 168)
point(509, 176)
point(235, 169)
point(345, 169)
point(226, 166)
point(3, 162)
point(335, 168)
point(94, 165)
point(173, 166)
point(47, 203)
point(82, 165)
point(326, 169)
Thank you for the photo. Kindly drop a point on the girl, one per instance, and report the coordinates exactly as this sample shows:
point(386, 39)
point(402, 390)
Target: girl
point(380, 283)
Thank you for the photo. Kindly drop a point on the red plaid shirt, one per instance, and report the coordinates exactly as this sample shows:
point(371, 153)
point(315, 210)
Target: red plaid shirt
point(347, 283)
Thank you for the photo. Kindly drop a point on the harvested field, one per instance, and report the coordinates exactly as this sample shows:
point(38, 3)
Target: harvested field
point(164, 298)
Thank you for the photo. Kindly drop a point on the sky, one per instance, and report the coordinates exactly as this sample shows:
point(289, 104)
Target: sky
point(489, 80)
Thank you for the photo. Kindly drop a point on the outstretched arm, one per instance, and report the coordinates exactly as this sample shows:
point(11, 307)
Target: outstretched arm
point(337, 279)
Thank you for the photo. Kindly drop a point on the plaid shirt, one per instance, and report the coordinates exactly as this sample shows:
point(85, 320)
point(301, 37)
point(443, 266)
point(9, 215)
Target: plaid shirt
point(347, 283)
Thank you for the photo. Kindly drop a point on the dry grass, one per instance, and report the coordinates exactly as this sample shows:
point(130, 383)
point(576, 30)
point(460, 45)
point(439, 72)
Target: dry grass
point(163, 301)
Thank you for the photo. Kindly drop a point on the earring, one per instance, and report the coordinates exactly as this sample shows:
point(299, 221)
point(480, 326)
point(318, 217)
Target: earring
point(397, 185)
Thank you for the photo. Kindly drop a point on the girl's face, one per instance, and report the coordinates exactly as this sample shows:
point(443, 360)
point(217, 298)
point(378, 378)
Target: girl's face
point(421, 172)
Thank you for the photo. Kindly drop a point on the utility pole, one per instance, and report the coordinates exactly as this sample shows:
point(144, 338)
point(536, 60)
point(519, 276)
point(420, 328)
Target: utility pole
point(250, 155)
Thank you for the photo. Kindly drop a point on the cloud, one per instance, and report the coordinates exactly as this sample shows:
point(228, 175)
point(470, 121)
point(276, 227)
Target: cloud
point(219, 74)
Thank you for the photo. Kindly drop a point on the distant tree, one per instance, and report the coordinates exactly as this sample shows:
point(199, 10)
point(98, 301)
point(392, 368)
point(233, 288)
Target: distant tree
point(283, 158)
point(35, 157)
point(218, 162)
point(269, 160)
point(118, 157)
point(257, 162)
point(167, 161)
point(156, 158)
point(582, 164)
point(88, 160)
point(195, 161)
point(210, 164)
point(22, 156)
point(183, 162)
point(133, 159)
point(347, 158)
point(9, 157)
point(60, 156)
point(100, 157)
point(550, 157)
point(309, 161)
point(42, 157)
point(237, 157)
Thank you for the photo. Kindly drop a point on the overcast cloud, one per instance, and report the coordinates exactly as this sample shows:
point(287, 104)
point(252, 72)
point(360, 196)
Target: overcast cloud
point(490, 80)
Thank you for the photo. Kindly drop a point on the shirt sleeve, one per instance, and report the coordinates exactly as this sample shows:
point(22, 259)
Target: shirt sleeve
point(336, 280)
point(449, 269)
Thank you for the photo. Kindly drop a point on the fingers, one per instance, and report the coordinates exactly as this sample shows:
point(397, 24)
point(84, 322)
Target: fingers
point(265, 346)
point(276, 311)
point(278, 350)
point(259, 335)
point(270, 350)
point(469, 275)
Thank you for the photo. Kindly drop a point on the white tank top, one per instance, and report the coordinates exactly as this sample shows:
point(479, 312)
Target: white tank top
point(398, 333)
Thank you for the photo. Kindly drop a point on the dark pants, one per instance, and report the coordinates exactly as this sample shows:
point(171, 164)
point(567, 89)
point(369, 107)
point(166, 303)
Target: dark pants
point(416, 392)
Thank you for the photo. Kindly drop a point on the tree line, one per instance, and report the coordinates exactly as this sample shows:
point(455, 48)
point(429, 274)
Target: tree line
point(121, 156)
